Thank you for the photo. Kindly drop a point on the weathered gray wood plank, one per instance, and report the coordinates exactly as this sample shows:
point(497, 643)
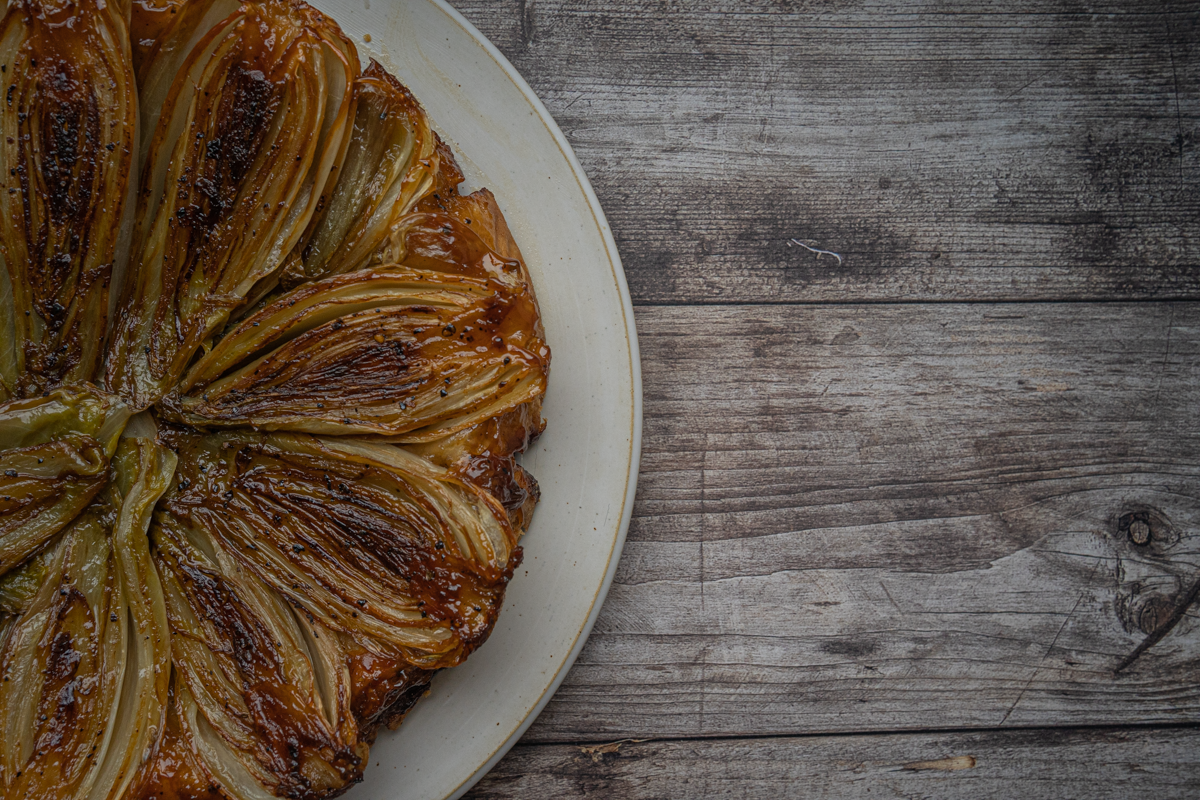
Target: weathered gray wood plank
point(866, 518)
point(948, 151)
point(1056, 765)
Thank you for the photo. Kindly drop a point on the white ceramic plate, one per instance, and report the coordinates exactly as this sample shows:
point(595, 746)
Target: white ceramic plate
point(587, 460)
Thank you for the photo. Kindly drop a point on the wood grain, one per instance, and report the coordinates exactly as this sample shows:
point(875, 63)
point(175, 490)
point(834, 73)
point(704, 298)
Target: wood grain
point(928, 485)
point(1056, 765)
point(879, 518)
point(947, 151)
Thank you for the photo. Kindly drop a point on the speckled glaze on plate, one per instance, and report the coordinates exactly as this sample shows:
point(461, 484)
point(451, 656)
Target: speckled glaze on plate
point(586, 462)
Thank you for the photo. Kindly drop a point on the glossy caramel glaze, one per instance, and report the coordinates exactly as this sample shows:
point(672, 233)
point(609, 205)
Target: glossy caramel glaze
point(149, 22)
point(507, 481)
point(385, 689)
point(175, 773)
point(24, 497)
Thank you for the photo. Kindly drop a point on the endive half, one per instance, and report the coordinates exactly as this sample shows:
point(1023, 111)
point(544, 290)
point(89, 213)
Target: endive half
point(84, 661)
point(366, 539)
point(67, 141)
point(411, 354)
point(389, 167)
point(263, 723)
point(253, 124)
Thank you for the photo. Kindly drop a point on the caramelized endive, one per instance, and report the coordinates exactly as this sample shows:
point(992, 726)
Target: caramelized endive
point(85, 658)
point(69, 128)
point(265, 373)
point(415, 355)
point(390, 165)
point(252, 127)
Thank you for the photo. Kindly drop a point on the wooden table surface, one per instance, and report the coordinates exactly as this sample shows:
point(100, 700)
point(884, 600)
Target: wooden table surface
point(923, 520)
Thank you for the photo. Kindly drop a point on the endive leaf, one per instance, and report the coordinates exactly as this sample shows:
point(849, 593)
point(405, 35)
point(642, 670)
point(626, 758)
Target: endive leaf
point(54, 453)
point(142, 471)
point(63, 663)
point(389, 167)
point(19, 586)
point(446, 178)
point(219, 762)
point(366, 538)
point(149, 21)
point(252, 126)
point(382, 351)
point(66, 147)
point(263, 727)
point(163, 34)
point(155, 22)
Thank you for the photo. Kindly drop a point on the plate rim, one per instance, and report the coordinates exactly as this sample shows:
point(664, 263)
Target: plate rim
point(635, 374)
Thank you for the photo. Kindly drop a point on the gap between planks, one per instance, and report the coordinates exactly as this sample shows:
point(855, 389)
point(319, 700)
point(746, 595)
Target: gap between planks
point(868, 734)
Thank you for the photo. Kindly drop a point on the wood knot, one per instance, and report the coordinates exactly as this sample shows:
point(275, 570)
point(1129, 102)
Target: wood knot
point(952, 764)
point(1157, 580)
point(599, 751)
point(1136, 526)
point(1155, 612)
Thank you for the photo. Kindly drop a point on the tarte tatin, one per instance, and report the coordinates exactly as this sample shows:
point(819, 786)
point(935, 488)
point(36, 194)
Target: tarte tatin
point(264, 370)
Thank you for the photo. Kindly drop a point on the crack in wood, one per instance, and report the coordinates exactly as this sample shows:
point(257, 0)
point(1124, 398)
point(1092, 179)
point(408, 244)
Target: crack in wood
point(1175, 81)
point(1045, 655)
point(1163, 629)
point(528, 25)
point(598, 751)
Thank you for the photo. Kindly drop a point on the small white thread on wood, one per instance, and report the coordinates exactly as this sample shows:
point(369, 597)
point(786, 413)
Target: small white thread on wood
point(816, 250)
